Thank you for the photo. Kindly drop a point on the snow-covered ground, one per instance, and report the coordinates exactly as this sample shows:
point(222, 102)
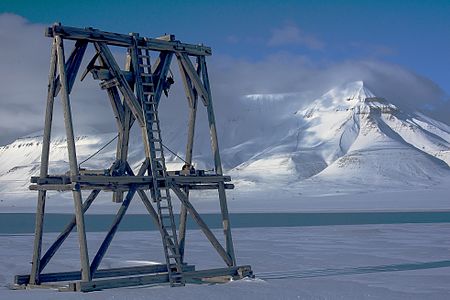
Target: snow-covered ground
point(407, 261)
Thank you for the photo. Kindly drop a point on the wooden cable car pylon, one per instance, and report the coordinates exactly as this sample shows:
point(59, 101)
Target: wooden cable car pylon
point(134, 94)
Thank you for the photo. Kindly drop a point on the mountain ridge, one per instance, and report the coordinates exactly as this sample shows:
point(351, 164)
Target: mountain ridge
point(348, 136)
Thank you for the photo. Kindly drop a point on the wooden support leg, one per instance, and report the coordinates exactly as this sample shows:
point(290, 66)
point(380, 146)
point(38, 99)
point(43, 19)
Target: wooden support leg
point(182, 230)
point(65, 233)
point(209, 235)
point(77, 197)
point(218, 162)
point(226, 222)
point(112, 231)
point(35, 269)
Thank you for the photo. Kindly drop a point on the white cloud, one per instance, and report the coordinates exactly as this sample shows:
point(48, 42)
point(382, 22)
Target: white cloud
point(291, 34)
point(24, 60)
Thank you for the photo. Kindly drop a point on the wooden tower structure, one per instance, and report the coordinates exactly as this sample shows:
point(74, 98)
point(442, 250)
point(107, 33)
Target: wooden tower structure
point(134, 93)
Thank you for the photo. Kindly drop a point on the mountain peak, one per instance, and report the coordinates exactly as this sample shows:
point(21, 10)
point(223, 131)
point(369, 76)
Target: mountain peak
point(356, 91)
point(344, 96)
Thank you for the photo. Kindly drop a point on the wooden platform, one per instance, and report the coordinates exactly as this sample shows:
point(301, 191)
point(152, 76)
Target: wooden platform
point(123, 183)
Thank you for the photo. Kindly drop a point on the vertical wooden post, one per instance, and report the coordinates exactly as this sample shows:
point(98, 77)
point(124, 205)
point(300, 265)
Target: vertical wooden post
point(124, 137)
point(217, 162)
point(77, 197)
point(192, 100)
point(35, 268)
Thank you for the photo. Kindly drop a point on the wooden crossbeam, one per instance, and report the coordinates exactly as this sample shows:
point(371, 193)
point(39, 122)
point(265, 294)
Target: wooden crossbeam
point(189, 276)
point(103, 179)
point(111, 232)
point(120, 187)
point(102, 273)
point(123, 86)
point(115, 224)
point(72, 65)
point(203, 226)
point(124, 40)
point(195, 79)
point(65, 233)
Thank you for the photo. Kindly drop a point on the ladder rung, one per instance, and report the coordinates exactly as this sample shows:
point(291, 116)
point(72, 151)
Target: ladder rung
point(147, 83)
point(146, 74)
point(174, 255)
point(144, 56)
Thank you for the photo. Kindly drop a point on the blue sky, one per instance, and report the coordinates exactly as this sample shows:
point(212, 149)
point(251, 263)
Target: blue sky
point(413, 34)
point(400, 49)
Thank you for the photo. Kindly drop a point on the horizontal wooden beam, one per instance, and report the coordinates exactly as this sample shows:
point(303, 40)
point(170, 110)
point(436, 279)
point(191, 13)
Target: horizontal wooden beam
point(102, 273)
point(125, 40)
point(120, 187)
point(101, 73)
point(190, 276)
point(104, 179)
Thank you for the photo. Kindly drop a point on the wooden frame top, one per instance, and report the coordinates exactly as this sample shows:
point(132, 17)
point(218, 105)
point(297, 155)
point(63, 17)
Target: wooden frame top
point(166, 43)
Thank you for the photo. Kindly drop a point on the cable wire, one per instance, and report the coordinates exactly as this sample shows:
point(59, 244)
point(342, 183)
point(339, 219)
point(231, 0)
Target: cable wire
point(98, 151)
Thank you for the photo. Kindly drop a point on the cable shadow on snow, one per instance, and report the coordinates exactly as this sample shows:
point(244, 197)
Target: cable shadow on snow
point(352, 271)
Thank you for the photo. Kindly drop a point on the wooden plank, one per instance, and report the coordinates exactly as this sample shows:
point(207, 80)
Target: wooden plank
point(121, 187)
point(161, 75)
point(73, 65)
point(203, 226)
point(179, 179)
point(227, 186)
point(102, 273)
point(124, 40)
point(100, 73)
point(123, 86)
point(84, 257)
point(66, 232)
point(40, 210)
point(192, 276)
point(116, 104)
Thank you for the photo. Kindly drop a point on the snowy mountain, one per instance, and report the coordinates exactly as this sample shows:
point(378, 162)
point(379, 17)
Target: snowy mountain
point(350, 135)
point(348, 138)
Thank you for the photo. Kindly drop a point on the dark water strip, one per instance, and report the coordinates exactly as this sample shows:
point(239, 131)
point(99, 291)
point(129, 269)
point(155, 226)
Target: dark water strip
point(18, 223)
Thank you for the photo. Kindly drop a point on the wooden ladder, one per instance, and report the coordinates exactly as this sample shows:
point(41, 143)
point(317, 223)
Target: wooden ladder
point(161, 190)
